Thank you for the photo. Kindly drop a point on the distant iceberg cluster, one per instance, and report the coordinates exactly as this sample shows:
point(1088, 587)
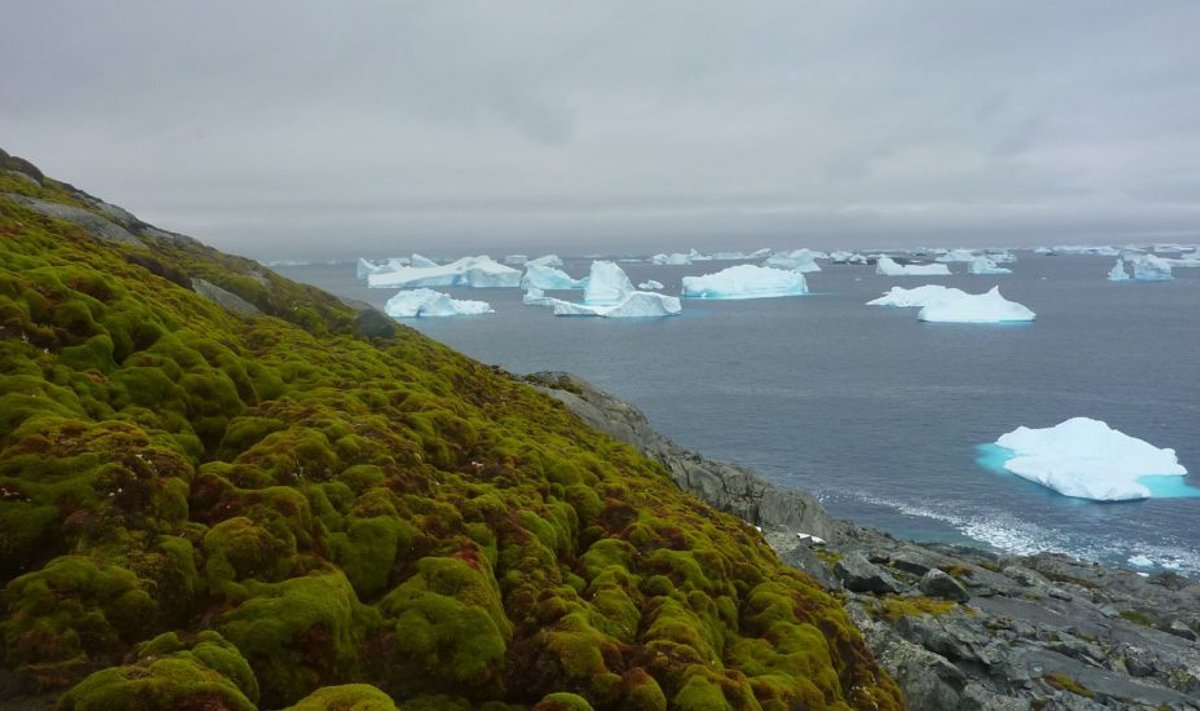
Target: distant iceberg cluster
point(1087, 459)
point(797, 260)
point(886, 266)
point(745, 281)
point(941, 304)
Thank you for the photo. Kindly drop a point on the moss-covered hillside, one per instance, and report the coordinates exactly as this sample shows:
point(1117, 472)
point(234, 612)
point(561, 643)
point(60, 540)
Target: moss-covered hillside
point(242, 501)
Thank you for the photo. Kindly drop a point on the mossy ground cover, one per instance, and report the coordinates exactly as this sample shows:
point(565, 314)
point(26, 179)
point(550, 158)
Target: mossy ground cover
point(227, 511)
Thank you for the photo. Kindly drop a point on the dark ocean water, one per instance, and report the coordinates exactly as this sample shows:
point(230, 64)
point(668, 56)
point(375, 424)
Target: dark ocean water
point(880, 415)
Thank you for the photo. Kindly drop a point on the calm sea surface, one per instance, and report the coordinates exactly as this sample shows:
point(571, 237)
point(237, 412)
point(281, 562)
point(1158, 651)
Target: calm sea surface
point(881, 415)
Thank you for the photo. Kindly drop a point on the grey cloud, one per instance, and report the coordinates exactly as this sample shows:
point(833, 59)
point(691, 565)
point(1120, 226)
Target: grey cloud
point(280, 128)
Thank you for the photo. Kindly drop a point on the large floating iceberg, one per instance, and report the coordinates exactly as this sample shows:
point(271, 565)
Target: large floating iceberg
point(974, 308)
point(984, 265)
point(1147, 267)
point(919, 296)
point(799, 260)
point(540, 277)
point(745, 281)
point(888, 267)
point(480, 271)
point(610, 294)
point(1087, 459)
point(639, 304)
point(426, 303)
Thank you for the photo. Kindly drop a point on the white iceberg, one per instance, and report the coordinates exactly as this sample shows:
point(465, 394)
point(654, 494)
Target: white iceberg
point(1118, 273)
point(480, 271)
point(1188, 260)
point(650, 284)
point(974, 308)
point(888, 267)
point(1147, 267)
point(919, 296)
point(419, 261)
point(540, 277)
point(800, 260)
point(745, 281)
point(844, 257)
point(1087, 459)
point(638, 304)
point(427, 303)
point(985, 265)
point(607, 284)
point(609, 294)
point(363, 268)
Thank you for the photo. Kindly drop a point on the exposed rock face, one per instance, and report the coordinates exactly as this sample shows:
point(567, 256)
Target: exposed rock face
point(93, 223)
point(223, 297)
point(957, 628)
point(728, 487)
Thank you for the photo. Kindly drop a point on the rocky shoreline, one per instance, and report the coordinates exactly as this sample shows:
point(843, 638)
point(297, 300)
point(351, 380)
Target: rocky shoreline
point(958, 628)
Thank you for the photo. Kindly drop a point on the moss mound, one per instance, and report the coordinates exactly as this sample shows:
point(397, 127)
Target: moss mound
point(204, 509)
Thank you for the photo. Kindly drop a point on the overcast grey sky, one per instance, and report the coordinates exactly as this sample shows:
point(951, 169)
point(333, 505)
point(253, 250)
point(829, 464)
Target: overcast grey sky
point(312, 129)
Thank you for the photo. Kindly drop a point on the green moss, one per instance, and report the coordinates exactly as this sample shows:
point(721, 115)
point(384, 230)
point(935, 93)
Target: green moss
point(893, 608)
point(298, 635)
point(562, 701)
point(1066, 683)
point(447, 622)
point(343, 510)
point(347, 697)
point(1138, 617)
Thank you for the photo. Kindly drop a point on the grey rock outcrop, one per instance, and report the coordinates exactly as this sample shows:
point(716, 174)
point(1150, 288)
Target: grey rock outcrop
point(936, 583)
point(103, 229)
point(224, 298)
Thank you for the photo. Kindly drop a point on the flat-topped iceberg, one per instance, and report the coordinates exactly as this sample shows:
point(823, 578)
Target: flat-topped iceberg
point(638, 304)
point(984, 265)
point(745, 281)
point(887, 266)
point(477, 272)
point(541, 277)
point(800, 260)
point(679, 259)
point(961, 307)
point(918, 296)
point(1147, 267)
point(1087, 459)
point(427, 303)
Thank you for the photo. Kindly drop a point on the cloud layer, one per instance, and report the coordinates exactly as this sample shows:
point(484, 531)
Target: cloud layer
point(317, 129)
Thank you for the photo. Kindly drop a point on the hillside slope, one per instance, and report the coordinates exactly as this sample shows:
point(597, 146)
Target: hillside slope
point(223, 490)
